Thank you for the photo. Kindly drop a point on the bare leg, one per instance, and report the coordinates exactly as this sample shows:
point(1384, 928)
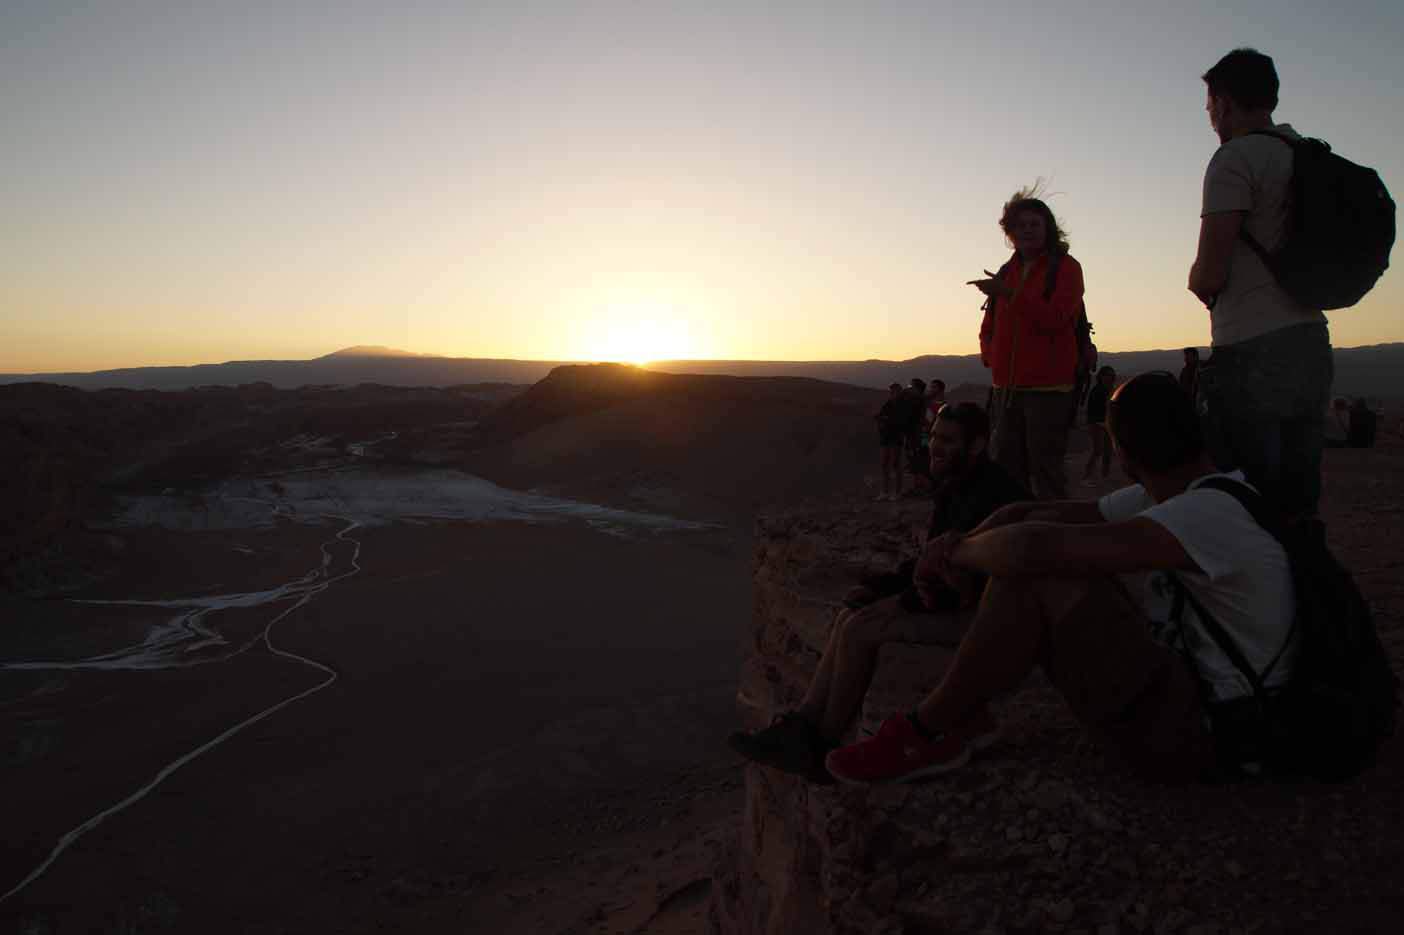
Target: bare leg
point(817, 696)
point(891, 480)
point(1094, 435)
point(1001, 647)
point(852, 658)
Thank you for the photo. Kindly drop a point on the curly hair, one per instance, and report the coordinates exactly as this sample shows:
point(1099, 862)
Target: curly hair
point(1027, 199)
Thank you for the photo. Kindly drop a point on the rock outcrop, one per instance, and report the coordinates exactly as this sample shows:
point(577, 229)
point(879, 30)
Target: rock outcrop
point(68, 450)
point(1045, 832)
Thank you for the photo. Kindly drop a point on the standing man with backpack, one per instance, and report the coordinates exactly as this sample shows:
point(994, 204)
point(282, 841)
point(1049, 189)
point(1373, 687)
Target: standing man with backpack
point(1287, 229)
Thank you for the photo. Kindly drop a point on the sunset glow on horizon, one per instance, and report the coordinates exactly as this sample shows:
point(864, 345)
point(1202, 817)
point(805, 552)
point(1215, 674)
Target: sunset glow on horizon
point(640, 334)
point(618, 181)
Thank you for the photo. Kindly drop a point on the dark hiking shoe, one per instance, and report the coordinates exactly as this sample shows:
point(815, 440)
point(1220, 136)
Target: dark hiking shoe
point(791, 743)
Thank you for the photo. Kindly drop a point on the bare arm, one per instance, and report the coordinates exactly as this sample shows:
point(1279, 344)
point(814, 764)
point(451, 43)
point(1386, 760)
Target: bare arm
point(1057, 511)
point(937, 560)
point(1040, 549)
point(1217, 235)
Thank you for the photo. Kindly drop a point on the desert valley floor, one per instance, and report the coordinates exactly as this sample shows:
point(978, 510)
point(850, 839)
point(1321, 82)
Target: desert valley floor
point(507, 719)
point(486, 702)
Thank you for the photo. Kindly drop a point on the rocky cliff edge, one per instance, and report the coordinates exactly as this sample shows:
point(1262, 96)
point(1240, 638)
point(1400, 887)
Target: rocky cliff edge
point(1046, 832)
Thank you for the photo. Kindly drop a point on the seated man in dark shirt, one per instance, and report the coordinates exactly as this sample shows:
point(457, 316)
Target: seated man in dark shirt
point(898, 607)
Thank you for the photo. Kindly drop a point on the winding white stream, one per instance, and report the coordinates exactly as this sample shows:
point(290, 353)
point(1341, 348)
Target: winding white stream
point(357, 498)
point(169, 646)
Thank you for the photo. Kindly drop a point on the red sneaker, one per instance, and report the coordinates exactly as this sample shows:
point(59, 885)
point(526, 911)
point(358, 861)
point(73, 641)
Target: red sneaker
point(897, 753)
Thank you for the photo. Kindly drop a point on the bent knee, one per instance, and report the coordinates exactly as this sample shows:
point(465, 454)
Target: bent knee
point(1055, 597)
point(865, 628)
point(1059, 596)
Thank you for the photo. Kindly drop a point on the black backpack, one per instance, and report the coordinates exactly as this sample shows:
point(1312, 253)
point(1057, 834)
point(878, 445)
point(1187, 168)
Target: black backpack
point(1339, 704)
point(1340, 228)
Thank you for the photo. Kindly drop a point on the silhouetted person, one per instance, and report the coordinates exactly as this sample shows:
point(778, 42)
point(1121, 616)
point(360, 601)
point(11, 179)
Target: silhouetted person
point(1363, 424)
point(935, 399)
point(1337, 431)
point(1264, 389)
point(916, 436)
point(892, 421)
point(893, 607)
point(1097, 435)
point(1189, 373)
point(1027, 340)
point(1056, 599)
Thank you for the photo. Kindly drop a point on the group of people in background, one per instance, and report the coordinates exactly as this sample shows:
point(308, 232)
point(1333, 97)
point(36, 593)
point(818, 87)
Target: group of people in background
point(1352, 423)
point(1165, 612)
point(904, 422)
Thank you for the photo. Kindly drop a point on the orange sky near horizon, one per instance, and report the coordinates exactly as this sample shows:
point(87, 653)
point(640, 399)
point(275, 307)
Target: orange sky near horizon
point(190, 185)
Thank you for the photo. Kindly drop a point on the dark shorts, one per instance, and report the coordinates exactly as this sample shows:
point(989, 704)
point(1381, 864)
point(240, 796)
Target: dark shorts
point(1134, 693)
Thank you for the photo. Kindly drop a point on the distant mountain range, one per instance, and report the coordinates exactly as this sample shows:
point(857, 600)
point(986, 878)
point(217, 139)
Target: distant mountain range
point(348, 367)
point(1376, 370)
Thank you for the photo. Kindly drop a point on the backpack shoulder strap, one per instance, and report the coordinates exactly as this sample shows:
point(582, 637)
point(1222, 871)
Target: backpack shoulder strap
point(1216, 630)
point(1271, 522)
point(1295, 144)
point(1252, 501)
point(1278, 136)
point(1050, 276)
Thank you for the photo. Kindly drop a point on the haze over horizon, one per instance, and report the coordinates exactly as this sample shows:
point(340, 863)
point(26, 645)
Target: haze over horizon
point(375, 351)
point(187, 183)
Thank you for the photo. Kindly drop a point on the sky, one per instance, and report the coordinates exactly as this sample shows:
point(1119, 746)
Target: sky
point(187, 182)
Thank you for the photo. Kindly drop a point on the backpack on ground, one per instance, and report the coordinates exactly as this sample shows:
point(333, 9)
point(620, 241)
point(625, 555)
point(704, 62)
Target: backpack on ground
point(1340, 228)
point(1338, 705)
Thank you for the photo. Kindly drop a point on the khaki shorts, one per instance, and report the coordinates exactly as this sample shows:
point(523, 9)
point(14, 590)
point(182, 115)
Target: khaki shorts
point(1136, 694)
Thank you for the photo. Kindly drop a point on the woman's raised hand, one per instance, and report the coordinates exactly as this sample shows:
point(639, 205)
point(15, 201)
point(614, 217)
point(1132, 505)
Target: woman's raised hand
point(992, 286)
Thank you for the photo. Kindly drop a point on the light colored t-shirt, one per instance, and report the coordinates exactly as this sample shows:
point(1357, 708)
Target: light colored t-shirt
point(1246, 582)
point(1252, 174)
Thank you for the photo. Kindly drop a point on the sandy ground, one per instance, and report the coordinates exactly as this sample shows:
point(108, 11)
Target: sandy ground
point(512, 702)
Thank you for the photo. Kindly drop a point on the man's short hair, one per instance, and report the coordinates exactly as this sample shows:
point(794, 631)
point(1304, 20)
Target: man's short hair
point(1245, 76)
point(894, 386)
point(919, 384)
point(1154, 422)
point(974, 422)
point(938, 385)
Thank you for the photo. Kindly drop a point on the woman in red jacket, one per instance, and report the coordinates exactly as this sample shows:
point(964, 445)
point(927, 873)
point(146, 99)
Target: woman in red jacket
point(1027, 340)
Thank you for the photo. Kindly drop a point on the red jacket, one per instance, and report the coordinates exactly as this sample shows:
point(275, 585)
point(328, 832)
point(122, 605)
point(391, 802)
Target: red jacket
point(1029, 340)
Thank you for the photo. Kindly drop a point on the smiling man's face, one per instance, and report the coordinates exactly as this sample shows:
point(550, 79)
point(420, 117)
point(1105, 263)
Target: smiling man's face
point(950, 455)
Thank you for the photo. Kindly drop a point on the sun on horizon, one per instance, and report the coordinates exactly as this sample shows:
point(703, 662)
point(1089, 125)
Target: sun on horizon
point(638, 333)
